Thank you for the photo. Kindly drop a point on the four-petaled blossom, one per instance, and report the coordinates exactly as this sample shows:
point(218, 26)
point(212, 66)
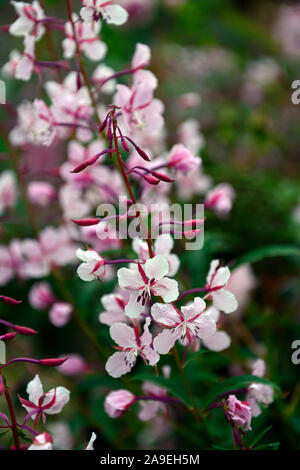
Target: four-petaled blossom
point(149, 279)
point(117, 402)
point(29, 21)
point(93, 9)
point(93, 266)
point(87, 36)
point(239, 412)
point(131, 345)
point(40, 404)
point(259, 394)
point(182, 159)
point(8, 191)
point(216, 281)
point(42, 442)
point(180, 325)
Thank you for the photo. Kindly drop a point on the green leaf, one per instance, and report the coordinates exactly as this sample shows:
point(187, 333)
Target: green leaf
point(194, 355)
point(234, 383)
point(267, 252)
point(173, 387)
point(260, 436)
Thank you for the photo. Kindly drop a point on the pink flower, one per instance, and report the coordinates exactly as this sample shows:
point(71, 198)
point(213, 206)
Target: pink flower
point(117, 402)
point(100, 74)
point(115, 308)
point(41, 193)
point(41, 296)
point(259, 394)
point(216, 282)
point(92, 266)
point(150, 409)
point(56, 246)
point(29, 20)
point(131, 345)
point(75, 365)
point(190, 136)
point(60, 313)
point(163, 245)
point(139, 109)
point(182, 159)
point(220, 198)
point(41, 403)
point(8, 191)
point(239, 412)
point(93, 9)
point(42, 442)
point(87, 34)
point(180, 325)
point(25, 66)
point(149, 279)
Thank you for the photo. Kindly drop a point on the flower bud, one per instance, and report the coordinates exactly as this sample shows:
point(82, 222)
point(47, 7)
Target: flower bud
point(9, 300)
point(52, 362)
point(117, 402)
point(24, 330)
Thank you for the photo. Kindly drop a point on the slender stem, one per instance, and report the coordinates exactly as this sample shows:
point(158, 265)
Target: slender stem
point(186, 384)
point(192, 291)
point(14, 424)
point(127, 183)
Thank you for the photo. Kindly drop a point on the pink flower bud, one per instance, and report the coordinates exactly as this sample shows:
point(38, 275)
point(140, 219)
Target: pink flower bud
point(220, 198)
point(60, 313)
point(24, 330)
point(182, 159)
point(8, 336)
point(41, 296)
point(52, 362)
point(75, 365)
point(162, 177)
point(41, 193)
point(86, 222)
point(240, 412)
point(9, 300)
point(116, 403)
point(151, 179)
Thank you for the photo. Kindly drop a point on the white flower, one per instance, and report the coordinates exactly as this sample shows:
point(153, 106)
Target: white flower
point(131, 345)
point(114, 14)
point(50, 403)
point(25, 65)
point(93, 266)
point(42, 442)
point(90, 445)
point(216, 280)
point(149, 279)
point(185, 324)
point(28, 22)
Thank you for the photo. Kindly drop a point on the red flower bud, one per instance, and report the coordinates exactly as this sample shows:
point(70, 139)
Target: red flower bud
point(151, 179)
point(9, 300)
point(125, 146)
point(8, 336)
point(162, 177)
point(142, 154)
point(24, 330)
point(86, 222)
point(52, 362)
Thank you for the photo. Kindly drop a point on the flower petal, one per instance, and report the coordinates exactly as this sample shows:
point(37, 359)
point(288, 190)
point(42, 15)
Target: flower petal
point(35, 389)
point(167, 289)
point(123, 335)
point(62, 396)
point(117, 365)
point(157, 267)
point(130, 279)
point(217, 342)
point(165, 315)
point(224, 300)
point(165, 340)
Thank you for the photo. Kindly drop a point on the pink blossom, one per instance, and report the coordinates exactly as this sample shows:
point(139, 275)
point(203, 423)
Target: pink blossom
point(56, 246)
point(75, 365)
point(239, 412)
point(220, 198)
point(60, 313)
point(29, 20)
point(131, 345)
point(182, 159)
point(259, 394)
point(42, 442)
point(101, 73)
point(50, 403)
point(149, 279)
point(179, 325)
point(190, 136)
point(9, 69)
point(41, 193)
point(106, 9)
point(92, 266)
point(41, 296)
point(141, 57)
point(8, 191)
point(114, 305)
point(216, 281)
point(150, 409)
point(117, 402)
point(87, 35)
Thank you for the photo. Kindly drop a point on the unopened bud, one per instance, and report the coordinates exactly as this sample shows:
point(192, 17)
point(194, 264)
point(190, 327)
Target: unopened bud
point(52, 362)
point(24, 330)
